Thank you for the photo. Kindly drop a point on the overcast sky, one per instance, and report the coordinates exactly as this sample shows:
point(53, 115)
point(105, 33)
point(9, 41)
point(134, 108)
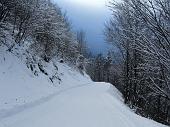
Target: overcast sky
point(89, 15)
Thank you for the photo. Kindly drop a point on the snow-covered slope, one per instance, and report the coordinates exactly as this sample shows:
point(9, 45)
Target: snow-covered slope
point(27, 100)
point(18, 85)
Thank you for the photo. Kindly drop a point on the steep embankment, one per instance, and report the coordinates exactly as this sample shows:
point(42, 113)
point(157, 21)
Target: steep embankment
point(27, 100)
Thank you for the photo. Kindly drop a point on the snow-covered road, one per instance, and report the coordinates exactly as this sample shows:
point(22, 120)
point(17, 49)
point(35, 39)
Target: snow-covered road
point(90, 105)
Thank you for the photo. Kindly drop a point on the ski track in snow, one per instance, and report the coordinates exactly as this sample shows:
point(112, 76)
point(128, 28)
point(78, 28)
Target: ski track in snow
point(4, 113)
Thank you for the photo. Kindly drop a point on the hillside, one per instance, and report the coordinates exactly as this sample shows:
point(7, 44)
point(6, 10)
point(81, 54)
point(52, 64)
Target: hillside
point(19, 85)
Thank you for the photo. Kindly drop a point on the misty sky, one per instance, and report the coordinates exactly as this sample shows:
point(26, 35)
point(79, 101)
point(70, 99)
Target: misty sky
point(89, 15)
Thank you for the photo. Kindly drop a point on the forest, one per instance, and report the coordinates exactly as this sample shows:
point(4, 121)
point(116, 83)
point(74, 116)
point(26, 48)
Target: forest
point(139, 29)
point(140, 68)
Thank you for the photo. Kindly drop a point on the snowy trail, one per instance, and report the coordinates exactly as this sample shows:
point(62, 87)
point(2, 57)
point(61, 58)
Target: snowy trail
point(4, 113)
point(91, 105)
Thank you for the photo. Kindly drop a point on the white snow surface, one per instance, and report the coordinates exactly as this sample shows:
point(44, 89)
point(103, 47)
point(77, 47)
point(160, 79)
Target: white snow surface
point(33, 101)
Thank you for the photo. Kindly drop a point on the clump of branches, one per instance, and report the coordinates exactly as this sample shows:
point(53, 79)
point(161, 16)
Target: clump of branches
point(42, 24)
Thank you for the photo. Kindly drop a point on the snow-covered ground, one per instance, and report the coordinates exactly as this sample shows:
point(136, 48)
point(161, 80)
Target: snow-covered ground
point(18, 85)
point(33, 101)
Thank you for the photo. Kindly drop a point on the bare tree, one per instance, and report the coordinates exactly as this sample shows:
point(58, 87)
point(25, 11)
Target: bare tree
point(82, 46)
